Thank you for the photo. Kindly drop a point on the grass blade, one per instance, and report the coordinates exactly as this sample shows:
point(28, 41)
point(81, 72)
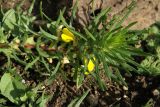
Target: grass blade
point(48, 35)
point(73, 102)
point(89, 34)
point(78, 34)
point(104, 12)
point(31, 7)
point(52, 77)
point(81, 99)
point(29, 65)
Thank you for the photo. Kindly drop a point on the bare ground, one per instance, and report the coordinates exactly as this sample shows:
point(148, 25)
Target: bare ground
point(145, 13)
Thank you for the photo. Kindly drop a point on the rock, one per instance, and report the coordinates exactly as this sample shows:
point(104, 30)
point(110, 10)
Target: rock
point(92, 100)
point(125, 96)
point(117, 92)
point(118, 99)
point(125, 88)
point(155, 92)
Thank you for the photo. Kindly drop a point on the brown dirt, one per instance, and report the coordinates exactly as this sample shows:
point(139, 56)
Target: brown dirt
point(146, 12)
point(139, 91)
point(7, 4)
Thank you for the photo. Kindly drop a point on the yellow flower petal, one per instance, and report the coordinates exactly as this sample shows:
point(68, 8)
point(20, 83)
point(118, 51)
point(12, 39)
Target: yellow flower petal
point(66, 38)
point(90, 66)
point(67, 32)
point(66, 35)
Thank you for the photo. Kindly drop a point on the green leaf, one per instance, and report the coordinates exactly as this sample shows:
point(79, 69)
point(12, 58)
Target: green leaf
point(3, 38)
point(42, 101)
point(3, 101)
point(74, 10)
point(89, 34)
point(52, 77)
point(114, 42)
point(7, 52)
point(120, 78)
point(79, 80)
point(103, 12)
point(107, 72)
point(30, 41)
point(31, 7)
point(78, 34)
point(29, 65)
point(150, 103)
point(125, 16)
point(63, 19)
point(40, 51)
point(45, 64)
point(11, 88)
point(77, 101)
point(129, 26)
point(48, 19)
point(9, 19)
point(73, 102)
point(81, 99)
point(48, 35)
point(41, 10)
point(14, 56)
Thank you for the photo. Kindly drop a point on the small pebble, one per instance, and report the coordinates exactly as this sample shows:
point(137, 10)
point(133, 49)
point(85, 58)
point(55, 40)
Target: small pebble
point(65, 60)
point(103, 103)
point(117, 92)
point(137, 81)
point(50, 60)
point(107, 94)
point(144, 85)
point(23, 81)
point(125, 88)
point(155, 92)
point(43, 87)
point(125, 96)
point(92, 100)
point(118, 99)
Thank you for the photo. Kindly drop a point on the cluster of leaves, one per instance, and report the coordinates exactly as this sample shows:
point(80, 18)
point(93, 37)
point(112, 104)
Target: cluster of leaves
point(43, 54)
point(16, 38)
point(150, 40)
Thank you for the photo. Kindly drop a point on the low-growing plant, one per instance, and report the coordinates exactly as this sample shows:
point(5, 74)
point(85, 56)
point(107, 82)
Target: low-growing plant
point(60, 48)
point(150, 41)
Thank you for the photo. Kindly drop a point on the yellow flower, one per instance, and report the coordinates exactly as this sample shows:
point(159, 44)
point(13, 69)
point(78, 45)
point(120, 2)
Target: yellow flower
point(66, 35)
point(90, 66)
